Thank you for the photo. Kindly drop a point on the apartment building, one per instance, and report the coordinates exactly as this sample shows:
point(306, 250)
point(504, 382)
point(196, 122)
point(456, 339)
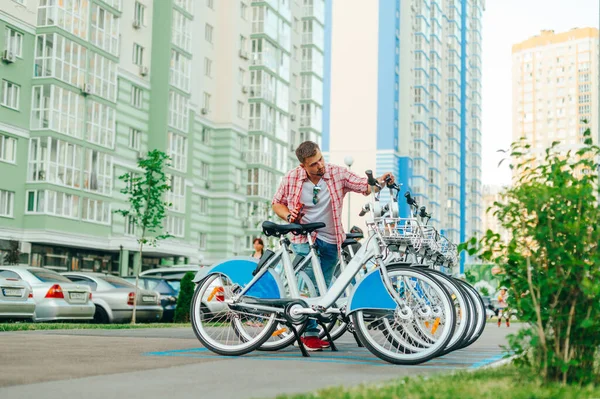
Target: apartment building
point(89, 86)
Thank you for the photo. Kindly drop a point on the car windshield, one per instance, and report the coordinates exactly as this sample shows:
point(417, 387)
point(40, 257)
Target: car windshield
point(48, 276)
point(175, 284)
point(117, 282)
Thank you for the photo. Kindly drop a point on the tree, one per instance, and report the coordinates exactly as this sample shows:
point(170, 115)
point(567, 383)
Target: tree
point(184, 300)
point(13, 255)
point(551, 264)
point(147, 208)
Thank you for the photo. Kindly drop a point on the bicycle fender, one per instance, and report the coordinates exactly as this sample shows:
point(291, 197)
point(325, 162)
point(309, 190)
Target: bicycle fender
point(371, 293)
point(239, 271)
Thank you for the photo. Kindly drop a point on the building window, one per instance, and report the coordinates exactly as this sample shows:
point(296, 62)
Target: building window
point(210, 4)
point(95, 211)
point(208, 67)
point(58, 109)
point(243, 41)
point(103, 76)
point(205, 135)
point(206, 104)
point(71, 16)
point(208, 33)
point(138, 54)
point(136, 97)
point(135, 139)
point(10, 94)
point(175, 226)
point(59, 57)
point(185, 5)
point(176, 193)
point(202, 241)
point(129, 226)
point(203, 206)
point(243, 10)
point(8, 149)
point(14, 42)
point(139, 14)
point(52, 203)
point(7, 202)
point(204, 171)
point(101, 124)
point(240, 109)
point(98, 172)
point(178, 111)
point(177, 150)
point(55, 161)
point(241, 76)
point(105, 29)
point(180, 71)
point(182, 31)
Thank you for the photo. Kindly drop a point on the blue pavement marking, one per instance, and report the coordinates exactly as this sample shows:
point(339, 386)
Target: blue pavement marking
point(352, 357)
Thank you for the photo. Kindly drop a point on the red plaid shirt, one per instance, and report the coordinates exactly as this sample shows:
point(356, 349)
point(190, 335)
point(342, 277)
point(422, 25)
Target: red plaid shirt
point(339, 181)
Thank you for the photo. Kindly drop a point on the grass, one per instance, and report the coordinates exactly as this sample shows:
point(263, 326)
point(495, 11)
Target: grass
point(502, 382)
point(83, 326)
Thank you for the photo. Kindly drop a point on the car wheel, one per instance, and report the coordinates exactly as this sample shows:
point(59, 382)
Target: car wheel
point(100, 316)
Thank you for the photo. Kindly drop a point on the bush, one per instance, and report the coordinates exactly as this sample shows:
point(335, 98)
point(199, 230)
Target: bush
point(184, 301)
point(552, 260)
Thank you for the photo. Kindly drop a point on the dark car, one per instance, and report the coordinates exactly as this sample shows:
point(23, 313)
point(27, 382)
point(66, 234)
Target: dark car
point(168, 293)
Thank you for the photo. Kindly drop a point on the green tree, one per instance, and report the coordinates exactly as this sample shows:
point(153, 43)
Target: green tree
point(184, 300)
point(147, 208)
point(13, 254)
point(552, 261)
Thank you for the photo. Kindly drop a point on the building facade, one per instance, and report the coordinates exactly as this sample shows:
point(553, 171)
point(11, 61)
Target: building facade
point(410, 102)
point(555, 88)
point(90, 86)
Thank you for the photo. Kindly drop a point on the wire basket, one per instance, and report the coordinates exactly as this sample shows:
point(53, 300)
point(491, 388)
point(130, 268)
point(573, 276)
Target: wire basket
point(403, 232)
point(449, 251)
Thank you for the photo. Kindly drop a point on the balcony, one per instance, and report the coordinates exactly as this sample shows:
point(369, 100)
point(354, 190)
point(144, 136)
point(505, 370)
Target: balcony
point(312, 65)
point(315, 10)
point(313, 38)
point(311, 122)
point(266, 59)
point(259, 158)
point(262, 92)
point(261, 125)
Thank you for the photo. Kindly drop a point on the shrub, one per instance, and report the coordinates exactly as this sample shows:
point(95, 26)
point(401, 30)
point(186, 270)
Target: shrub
point(184, 300)
point(552, 260)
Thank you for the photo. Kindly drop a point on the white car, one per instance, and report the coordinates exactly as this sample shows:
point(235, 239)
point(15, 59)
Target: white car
point(56, 297)
point(16, 298)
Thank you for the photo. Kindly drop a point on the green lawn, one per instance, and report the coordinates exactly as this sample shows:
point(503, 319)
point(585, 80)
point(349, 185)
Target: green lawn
point(83, 326)
point(505, 382)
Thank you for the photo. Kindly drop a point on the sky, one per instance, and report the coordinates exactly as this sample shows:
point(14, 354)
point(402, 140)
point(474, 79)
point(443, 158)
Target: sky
point(506, 22)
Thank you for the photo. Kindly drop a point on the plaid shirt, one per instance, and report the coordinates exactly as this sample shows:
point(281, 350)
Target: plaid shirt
point(339, 182)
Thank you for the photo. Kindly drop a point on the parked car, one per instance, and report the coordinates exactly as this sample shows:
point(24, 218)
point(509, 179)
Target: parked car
point(173, 276)
point(168, 294)
point(56, 297)
point(113, 298)
point(16, 298)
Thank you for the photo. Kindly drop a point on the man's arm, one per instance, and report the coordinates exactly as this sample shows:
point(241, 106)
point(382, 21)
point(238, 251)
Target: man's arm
point(280, 204)
point(357, 184)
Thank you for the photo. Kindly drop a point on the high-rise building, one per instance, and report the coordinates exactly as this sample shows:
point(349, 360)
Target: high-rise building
point(555, 88)
point(90, 86)
point(409, 102)
point(491, 194)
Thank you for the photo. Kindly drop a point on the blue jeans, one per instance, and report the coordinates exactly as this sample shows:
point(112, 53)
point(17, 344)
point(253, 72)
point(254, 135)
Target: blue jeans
point(328, 257)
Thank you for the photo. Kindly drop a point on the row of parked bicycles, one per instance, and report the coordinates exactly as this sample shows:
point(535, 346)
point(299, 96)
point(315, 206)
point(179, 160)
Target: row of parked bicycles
point(394, 294)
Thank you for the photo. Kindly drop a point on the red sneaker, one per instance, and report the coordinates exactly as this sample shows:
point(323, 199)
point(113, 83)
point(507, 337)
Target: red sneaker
point(324, 344)
point(507, 323)
point(312, 344)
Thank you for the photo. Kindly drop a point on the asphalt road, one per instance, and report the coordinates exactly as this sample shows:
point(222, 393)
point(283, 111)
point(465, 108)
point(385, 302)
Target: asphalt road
point(161, 363)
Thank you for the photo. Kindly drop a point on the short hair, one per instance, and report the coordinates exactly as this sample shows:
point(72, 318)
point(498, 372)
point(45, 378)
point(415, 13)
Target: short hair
point(306, 150)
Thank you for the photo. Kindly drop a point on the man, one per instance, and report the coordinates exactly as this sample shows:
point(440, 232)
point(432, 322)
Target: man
point(321, 188)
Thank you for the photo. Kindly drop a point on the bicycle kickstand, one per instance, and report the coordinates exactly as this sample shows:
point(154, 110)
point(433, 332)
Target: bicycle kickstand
point(331, 344)
point(360, 345)
point(290, 325)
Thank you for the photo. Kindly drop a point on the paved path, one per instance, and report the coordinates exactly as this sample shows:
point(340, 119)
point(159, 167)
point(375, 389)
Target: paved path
point(159, 363)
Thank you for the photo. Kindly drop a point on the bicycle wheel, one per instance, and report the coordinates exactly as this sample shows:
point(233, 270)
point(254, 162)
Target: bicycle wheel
point(419, 330)
point(463, 308)
point(479, 313)
point(217, 328)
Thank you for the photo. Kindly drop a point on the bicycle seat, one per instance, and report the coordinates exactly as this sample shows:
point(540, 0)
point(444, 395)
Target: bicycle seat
point(274, 229)
point(310, 227)
point(349, 241)
point(354, 235)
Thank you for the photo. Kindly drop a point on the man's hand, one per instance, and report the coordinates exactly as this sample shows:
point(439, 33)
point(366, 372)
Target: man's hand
point(382, 181)
point(293, 217)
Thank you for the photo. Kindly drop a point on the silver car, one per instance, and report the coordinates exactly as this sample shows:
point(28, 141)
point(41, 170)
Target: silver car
point(16, 297)
point(56, 297)
point(114, 297)
point(213, 300)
